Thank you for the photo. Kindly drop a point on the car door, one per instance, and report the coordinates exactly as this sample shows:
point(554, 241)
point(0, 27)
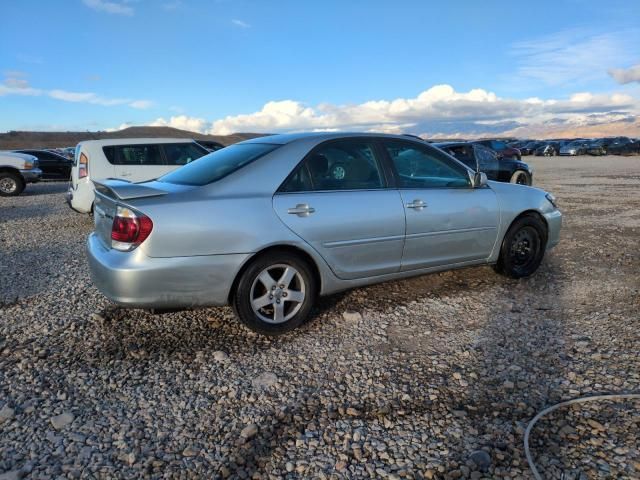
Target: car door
point(337, 200)
point(448, 221)
point(487, 161)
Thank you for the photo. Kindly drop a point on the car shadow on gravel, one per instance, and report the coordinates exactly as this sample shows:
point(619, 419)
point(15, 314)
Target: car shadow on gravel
point(510, 368)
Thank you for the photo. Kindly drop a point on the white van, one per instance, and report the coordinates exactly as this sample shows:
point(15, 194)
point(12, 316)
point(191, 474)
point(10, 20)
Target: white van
point(131, 159)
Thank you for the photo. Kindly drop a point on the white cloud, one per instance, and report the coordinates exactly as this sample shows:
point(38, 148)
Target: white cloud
point(240, 23)
point(141, 104)
point(572, 56)
point(626, 75)
point(117, 8)
point(16, 84)
point(182, 122)
point(437, 109)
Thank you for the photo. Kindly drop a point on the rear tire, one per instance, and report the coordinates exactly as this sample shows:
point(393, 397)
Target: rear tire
point(11, 184)
point(523, 247)
point(275, 293)
point(521, 178)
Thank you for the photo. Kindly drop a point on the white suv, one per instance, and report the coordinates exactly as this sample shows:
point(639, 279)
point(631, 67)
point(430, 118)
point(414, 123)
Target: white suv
point(131, 159)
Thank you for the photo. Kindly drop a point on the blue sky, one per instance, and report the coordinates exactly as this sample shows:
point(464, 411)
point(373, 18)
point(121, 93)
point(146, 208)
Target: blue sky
point(240, 65)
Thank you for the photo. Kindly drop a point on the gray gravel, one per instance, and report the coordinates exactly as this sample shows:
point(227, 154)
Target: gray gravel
point(433, 377)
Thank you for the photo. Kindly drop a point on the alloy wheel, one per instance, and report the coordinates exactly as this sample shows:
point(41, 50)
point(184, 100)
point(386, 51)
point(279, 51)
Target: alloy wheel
point(277, 293)
point(8, 185)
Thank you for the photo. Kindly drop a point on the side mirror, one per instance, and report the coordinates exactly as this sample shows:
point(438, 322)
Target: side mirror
point(479, 179)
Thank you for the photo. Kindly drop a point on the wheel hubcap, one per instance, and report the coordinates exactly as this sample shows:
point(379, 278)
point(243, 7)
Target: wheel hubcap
point(8, 185)
point(278, 293)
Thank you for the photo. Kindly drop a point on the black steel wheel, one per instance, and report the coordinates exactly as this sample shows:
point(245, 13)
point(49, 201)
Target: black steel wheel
point(523, 247)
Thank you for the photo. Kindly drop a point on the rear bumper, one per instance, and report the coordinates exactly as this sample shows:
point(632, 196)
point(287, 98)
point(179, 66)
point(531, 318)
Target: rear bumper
point(31, 176)
point(135, 280)
point(554, 223)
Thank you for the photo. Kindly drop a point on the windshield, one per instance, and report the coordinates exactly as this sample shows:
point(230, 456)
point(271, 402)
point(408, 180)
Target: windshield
point(218, 164)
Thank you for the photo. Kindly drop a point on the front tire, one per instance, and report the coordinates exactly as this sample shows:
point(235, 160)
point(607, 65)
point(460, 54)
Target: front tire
point(275, 293)
point(521, 178)
point(11, 184)
point(523, 247)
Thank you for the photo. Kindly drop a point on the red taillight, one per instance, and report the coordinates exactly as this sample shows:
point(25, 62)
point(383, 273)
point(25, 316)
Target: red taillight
point(129, 229)
point(82, 166)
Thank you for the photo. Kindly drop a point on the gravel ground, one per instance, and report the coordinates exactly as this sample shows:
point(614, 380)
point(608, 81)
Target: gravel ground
point(433, 377)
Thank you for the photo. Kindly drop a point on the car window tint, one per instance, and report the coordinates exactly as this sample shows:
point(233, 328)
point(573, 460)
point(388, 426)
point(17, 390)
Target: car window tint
point(133, 154)
point(182, 153)
point(419, 166)
point(341, 165)
point(498, 145)
point(218, 164)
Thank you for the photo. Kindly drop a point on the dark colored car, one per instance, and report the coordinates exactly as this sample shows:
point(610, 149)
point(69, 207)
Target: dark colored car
point(630, 148)
point(575, 147)
point(53, 165)
point(549, 149)
point(501, 148)
point(601, 146)
point(530, 147)
point(483, 159)
point(210, 145)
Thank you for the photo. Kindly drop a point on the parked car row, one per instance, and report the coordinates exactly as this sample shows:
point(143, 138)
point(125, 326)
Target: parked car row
point(578, 146)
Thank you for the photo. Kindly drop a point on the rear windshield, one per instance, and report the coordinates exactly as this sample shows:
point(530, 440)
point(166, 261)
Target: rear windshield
point(218, 164)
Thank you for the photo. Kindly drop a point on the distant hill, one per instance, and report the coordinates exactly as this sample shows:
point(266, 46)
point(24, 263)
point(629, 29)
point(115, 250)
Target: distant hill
point(16, 139)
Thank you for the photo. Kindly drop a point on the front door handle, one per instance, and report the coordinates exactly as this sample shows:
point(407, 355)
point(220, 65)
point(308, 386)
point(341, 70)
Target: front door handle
point(417, 204)
point(302, 210)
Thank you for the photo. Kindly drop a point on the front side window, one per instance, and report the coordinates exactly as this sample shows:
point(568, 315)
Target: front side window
point(133, 154)
point(418, 166)
point(182, 153)
point(219, 164)
point(339, 165)
point(498, 145)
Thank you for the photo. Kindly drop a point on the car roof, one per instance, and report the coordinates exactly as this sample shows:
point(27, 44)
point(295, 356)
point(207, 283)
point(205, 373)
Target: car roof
point(283, 139)
point(134, 141)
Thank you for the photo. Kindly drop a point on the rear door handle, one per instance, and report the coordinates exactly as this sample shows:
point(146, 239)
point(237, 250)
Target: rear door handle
point(417, 204)
point(302, 210)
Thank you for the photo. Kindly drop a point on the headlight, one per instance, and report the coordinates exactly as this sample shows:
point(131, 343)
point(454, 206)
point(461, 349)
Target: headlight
point(28, 165)
point(552, 199)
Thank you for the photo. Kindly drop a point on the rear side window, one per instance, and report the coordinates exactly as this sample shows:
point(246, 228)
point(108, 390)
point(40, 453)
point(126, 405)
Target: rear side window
point(340, 165)
point(133, 154)
point(219, 164)
point(182, 153)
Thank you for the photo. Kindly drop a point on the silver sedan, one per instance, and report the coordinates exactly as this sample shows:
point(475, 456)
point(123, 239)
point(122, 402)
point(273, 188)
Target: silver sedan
point(268, 224)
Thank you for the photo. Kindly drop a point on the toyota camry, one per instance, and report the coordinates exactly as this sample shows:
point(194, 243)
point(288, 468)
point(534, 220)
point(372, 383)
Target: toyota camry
point(269, 224)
